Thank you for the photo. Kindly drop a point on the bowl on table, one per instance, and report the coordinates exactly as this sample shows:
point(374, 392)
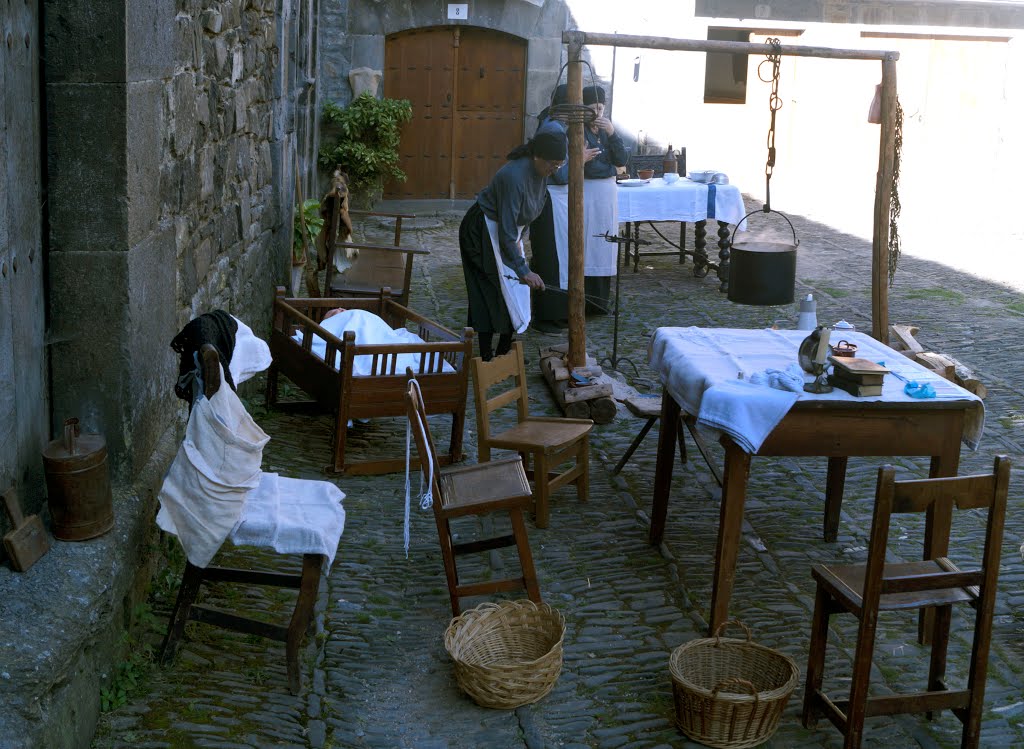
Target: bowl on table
point(704, 176)
point(671, 177)
point(644, 173)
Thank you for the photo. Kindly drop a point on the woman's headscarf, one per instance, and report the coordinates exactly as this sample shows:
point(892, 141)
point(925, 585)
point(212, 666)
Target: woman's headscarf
point(593, 95)
point(549, 142)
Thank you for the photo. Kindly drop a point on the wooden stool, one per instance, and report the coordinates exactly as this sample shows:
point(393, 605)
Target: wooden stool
point(649, 407)
point(185, 608)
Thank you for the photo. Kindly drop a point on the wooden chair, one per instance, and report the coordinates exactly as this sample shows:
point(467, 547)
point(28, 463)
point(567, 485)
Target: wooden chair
point(482, 489)
point(864, 590)
point(376, 266)
point(307, 581)
point(551, 441)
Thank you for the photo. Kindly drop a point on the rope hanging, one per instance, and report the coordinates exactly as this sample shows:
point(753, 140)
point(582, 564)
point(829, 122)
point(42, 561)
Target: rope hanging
point(894, 203)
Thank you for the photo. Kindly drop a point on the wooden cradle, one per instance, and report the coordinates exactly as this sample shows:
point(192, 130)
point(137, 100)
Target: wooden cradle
point(380, 393)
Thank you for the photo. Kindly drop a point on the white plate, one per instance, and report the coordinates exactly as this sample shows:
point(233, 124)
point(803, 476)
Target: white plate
point(633, 182)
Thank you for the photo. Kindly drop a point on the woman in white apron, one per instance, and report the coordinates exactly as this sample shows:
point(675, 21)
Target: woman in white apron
point(498, 279)
point(604, 151)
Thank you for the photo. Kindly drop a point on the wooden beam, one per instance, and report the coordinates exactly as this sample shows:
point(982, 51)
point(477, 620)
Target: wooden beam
point(577, 324)
point(710, 45)
point(883, 203)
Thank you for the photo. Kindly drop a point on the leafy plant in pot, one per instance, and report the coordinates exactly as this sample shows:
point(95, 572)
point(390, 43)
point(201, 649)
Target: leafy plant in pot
point(306, 227)
point(362, 140)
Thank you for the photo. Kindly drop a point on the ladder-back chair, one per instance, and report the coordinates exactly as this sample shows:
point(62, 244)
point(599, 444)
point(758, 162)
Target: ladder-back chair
point(374, 266)
point(551, 441)
point(865, 590)
point(500, 486)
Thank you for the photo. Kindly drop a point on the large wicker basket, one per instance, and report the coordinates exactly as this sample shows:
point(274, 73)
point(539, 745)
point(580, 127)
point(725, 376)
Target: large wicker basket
point(506, 654)
point(730, 693)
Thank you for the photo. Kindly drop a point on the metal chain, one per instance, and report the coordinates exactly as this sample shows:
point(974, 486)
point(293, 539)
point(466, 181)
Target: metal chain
point(774, 105)
point(894, 202)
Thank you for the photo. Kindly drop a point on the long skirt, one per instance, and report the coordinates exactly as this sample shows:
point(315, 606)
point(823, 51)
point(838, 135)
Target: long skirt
point(487, 311)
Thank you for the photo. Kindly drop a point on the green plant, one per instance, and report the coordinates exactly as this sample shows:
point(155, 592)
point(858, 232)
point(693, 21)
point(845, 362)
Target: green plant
point(310, 211)
point(367, 134)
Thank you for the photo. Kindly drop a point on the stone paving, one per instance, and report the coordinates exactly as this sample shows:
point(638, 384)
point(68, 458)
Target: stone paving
point(376, 673)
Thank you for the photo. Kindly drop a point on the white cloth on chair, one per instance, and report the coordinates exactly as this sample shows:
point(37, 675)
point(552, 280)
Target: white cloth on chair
point(251, 355)
point(218, 463)
point(292, 516)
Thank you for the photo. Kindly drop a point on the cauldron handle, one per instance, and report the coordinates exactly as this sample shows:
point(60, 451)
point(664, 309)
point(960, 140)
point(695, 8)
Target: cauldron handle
point(735, 228)
point(71, 432)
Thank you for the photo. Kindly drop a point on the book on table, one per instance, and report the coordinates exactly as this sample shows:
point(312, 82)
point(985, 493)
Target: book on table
point(855, 369)
point(858, 389)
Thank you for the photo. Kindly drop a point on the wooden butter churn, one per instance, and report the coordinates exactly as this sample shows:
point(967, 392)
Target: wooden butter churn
point(78, 484)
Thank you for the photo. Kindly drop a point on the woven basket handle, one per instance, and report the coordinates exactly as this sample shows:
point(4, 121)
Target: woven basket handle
point(735, 681)
point(723, 625)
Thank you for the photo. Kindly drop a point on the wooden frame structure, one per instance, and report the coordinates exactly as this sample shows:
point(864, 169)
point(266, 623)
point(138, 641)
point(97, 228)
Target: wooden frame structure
point(883, 180)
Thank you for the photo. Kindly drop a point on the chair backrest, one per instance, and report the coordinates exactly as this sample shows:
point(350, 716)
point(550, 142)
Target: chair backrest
point(506, 373)
point(987, 491)
point(416, 410)
point(375, 267)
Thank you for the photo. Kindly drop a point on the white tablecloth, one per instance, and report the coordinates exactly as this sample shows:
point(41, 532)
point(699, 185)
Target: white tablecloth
point(690, 361)
point(681, 201)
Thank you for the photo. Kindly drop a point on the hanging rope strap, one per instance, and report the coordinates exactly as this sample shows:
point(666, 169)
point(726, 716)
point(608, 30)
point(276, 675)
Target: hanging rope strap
point(894, 203)
point(773, 58)
point(426, 498)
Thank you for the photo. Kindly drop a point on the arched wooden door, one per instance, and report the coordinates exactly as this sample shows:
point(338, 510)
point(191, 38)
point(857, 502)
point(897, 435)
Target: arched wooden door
point(467, 87)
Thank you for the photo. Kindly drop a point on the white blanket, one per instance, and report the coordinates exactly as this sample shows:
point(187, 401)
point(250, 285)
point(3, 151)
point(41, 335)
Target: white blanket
point(204, 492)
point(692, 362)
point(369, 329)
point(600, 216)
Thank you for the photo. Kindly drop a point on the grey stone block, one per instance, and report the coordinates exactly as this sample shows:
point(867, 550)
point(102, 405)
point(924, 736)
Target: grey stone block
point(86, 133)
point(152, 40)
point(146, 125)
point(85, 42)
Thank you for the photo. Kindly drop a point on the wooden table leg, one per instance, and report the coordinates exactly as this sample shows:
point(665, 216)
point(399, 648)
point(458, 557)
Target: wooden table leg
point(664, 465)
point(835, 481)
point(730, 522)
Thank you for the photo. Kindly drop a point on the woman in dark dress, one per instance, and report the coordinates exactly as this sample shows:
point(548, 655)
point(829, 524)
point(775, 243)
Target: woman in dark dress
point(604, 151)
point(492, 231)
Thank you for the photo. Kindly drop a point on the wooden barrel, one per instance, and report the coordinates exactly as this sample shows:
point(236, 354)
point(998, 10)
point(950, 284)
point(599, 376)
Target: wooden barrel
point(78, 484)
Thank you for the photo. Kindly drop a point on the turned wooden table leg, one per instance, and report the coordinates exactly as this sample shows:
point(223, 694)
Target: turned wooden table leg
point(700, 249)
point(724, 248)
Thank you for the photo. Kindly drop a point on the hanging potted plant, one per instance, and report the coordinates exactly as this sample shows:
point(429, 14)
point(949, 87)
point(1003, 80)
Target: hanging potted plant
point(362, 140)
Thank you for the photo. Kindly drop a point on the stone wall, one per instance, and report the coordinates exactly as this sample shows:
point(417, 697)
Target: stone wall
point(163, 198)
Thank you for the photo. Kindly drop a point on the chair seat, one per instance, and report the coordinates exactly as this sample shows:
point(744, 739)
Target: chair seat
point(846, 582)
point(499, 483)
point(545, 435)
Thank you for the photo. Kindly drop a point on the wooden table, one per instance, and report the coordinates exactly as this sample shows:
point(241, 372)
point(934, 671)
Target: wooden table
point(833, 428)
point(682, 201)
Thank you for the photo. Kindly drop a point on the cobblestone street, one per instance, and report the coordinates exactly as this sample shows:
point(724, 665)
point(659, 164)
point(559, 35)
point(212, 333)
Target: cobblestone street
point(376, 673)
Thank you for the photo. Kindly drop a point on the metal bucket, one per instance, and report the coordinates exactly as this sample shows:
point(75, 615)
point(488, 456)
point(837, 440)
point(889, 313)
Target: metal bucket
point(78, 484)
point(762, 272)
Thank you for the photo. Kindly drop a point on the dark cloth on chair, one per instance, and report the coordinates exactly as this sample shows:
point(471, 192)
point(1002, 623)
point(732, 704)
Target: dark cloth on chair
point(217, 328)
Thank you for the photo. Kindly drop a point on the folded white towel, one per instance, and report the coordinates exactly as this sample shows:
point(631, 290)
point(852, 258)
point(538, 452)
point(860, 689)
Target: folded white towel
point(746, 412)
point(251, 355)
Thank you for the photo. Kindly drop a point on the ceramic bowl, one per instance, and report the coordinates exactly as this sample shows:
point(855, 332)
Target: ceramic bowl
point(671, 177)
point(645, 173)
point(705, 176)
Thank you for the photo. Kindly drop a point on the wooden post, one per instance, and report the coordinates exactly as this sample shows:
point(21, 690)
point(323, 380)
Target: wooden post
point(883, 202)
point(577, 324)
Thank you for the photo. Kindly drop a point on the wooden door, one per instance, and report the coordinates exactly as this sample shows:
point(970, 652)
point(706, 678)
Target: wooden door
point(467, 87)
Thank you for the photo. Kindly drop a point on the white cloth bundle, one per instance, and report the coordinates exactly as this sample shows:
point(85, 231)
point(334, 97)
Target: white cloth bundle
point(369, 328)
point(218, 463)
point(515, 294)
point(251, 355)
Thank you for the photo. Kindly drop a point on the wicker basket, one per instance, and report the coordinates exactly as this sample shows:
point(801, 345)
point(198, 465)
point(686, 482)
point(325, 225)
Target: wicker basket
point(506, 654)
point(730, 693)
